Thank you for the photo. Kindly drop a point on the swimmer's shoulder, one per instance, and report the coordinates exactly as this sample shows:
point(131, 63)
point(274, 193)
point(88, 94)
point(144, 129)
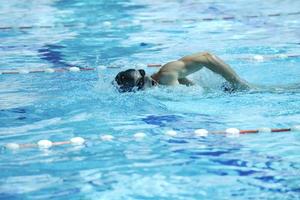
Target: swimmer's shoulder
point(173, 66)
point(168, 74)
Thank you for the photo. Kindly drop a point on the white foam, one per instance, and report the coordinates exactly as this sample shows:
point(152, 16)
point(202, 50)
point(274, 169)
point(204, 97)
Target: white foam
point(45, 144)
point(74, 69)
point(232, 132)
point(264, 130)
point(12, 146)
point(49, 70)
point(77, 141)
point(139, 135)
point(171, 133)
point(107, 137)
point(201, 133)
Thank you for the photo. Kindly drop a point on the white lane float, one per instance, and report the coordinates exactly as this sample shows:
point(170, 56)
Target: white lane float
point(264, 130)
point(12, 146)
point(74, 69)
point(171, 133)
point(49, 70)
point(258, 58)
point(232, 132)
point(77, 141)
point(44, 144)
point(106, 137)
point(139, 135)
point(201, 133)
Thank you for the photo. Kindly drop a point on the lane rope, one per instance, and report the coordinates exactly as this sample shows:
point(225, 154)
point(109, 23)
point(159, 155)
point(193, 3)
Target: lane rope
point(47, 70)
point(108, 24)
point(256, 58)
point(79, 141)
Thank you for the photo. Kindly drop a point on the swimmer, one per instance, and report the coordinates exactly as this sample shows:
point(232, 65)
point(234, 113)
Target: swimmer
point(176, 72)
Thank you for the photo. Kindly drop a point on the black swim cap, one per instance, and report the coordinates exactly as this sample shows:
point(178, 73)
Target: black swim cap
point(130, 80)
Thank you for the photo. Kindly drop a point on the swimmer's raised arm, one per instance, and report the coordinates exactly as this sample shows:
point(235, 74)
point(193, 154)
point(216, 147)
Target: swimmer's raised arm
point(196, 61)
point(176, 72)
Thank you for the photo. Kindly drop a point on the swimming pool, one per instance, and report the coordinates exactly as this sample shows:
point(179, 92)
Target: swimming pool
point(255, 38)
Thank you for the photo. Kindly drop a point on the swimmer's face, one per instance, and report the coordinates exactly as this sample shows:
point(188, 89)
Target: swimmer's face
point(132, 80)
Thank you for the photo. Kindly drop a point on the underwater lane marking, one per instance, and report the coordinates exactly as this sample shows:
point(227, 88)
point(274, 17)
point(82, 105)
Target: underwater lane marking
point(10, 72)
point(37, 71)
point(293, 13)
point(252, 16)
point(293, 56)
point(45, 26)
point(25, 27)
point(5, 28)
point(69, 25)
point(208, 19)
point(274, 15)
point(87, 69)
point(228, 18)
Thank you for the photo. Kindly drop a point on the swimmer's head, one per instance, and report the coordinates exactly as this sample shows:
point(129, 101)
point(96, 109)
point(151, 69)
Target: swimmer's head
point(132, 80)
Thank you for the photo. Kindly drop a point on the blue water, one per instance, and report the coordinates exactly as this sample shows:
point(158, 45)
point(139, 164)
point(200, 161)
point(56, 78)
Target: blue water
point(60, 106)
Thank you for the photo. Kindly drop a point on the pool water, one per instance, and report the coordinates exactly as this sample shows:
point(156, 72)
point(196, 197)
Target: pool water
point(131, 34)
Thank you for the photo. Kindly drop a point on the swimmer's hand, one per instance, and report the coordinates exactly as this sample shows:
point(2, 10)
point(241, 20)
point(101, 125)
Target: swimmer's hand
point(196, 61)
point(239, 86)
point(244, 85)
